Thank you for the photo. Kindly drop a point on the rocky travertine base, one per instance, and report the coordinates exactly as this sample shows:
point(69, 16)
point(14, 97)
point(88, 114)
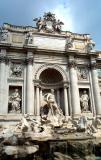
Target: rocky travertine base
point(40, 140)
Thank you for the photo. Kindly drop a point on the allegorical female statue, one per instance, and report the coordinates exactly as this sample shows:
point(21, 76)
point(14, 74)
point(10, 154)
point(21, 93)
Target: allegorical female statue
point(84, 99)
point(15, 100)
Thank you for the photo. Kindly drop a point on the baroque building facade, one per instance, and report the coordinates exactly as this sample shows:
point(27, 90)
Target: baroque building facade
point(36, 61)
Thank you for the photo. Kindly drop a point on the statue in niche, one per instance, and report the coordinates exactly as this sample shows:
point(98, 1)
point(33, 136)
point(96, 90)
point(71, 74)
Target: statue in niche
point(15, 101)
point(84, 99)
point(82, 74)
point(29, 38)
point(4, 35)
point(50, 111)
point(16, 70)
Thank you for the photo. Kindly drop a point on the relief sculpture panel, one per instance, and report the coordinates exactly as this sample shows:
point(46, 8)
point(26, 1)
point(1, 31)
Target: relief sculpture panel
point(82, 74)
point(16, 70)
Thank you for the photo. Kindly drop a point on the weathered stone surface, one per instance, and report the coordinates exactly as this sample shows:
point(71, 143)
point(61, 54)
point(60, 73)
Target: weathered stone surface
point(45, 60)
point(60, 156)
point(19, 151)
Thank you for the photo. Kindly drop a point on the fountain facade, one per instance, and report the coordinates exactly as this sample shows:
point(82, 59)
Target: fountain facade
point(50, 85)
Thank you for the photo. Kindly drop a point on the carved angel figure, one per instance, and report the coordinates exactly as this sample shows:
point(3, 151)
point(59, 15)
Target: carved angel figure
point(48, 23)
point(40, 24)
point(58, 25)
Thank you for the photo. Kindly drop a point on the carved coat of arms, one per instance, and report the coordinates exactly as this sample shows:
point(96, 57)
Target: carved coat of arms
point(48, 23)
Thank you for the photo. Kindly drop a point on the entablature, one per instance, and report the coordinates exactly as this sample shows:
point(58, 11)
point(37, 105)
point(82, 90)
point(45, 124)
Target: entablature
point(28, 37)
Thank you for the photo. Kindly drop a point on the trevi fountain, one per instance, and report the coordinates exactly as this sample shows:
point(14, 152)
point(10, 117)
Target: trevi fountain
point(50, 93)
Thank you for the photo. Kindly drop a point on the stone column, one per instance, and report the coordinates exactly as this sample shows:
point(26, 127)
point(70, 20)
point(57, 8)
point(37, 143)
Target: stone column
point(66, 101)
point(40, 96)
point(30, 84)
point(96, 89)
point(37, 101)
point(3, 83)
point(58, 97)
point(75, 100)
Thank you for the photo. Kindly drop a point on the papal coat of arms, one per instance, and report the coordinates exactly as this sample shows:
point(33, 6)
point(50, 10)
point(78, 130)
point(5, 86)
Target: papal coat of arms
point(48, 23)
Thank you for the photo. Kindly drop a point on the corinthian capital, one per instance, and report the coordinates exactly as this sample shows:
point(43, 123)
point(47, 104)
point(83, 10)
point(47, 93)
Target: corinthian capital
point(29, 60)
point(4, 59)
point(72, 64)
point(93, 65)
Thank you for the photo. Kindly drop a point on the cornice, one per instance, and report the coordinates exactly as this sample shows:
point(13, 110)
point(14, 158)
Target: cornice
point(24, 29)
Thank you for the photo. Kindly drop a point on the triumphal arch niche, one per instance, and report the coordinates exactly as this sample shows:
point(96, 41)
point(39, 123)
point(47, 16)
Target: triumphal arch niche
point(44, 65)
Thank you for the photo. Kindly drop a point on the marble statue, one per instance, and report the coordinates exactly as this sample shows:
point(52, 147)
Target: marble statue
point(84, 99)
point(29, 38)
point(51, 111)
point(4, 35)
point(58, 25)
point(48, 23)
point(15, 100)
point(90, 46)
point(69, 43)
point(22, 126)
point(40, 24)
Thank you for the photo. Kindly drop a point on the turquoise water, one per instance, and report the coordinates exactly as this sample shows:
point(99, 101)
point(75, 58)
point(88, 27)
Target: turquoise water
point(98, 158)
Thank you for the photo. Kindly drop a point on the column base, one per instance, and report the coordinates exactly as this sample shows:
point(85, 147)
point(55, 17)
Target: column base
point(67, 117)
point(76, 116)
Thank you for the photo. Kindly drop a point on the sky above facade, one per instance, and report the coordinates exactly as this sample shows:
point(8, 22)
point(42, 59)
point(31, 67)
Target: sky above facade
point(80, 16)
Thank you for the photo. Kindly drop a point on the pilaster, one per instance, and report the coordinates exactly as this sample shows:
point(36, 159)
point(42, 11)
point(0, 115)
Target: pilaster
point(3, 82)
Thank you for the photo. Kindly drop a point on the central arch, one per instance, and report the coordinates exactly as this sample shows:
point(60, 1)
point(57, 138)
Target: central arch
point(51, 66)
point(52, 77)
